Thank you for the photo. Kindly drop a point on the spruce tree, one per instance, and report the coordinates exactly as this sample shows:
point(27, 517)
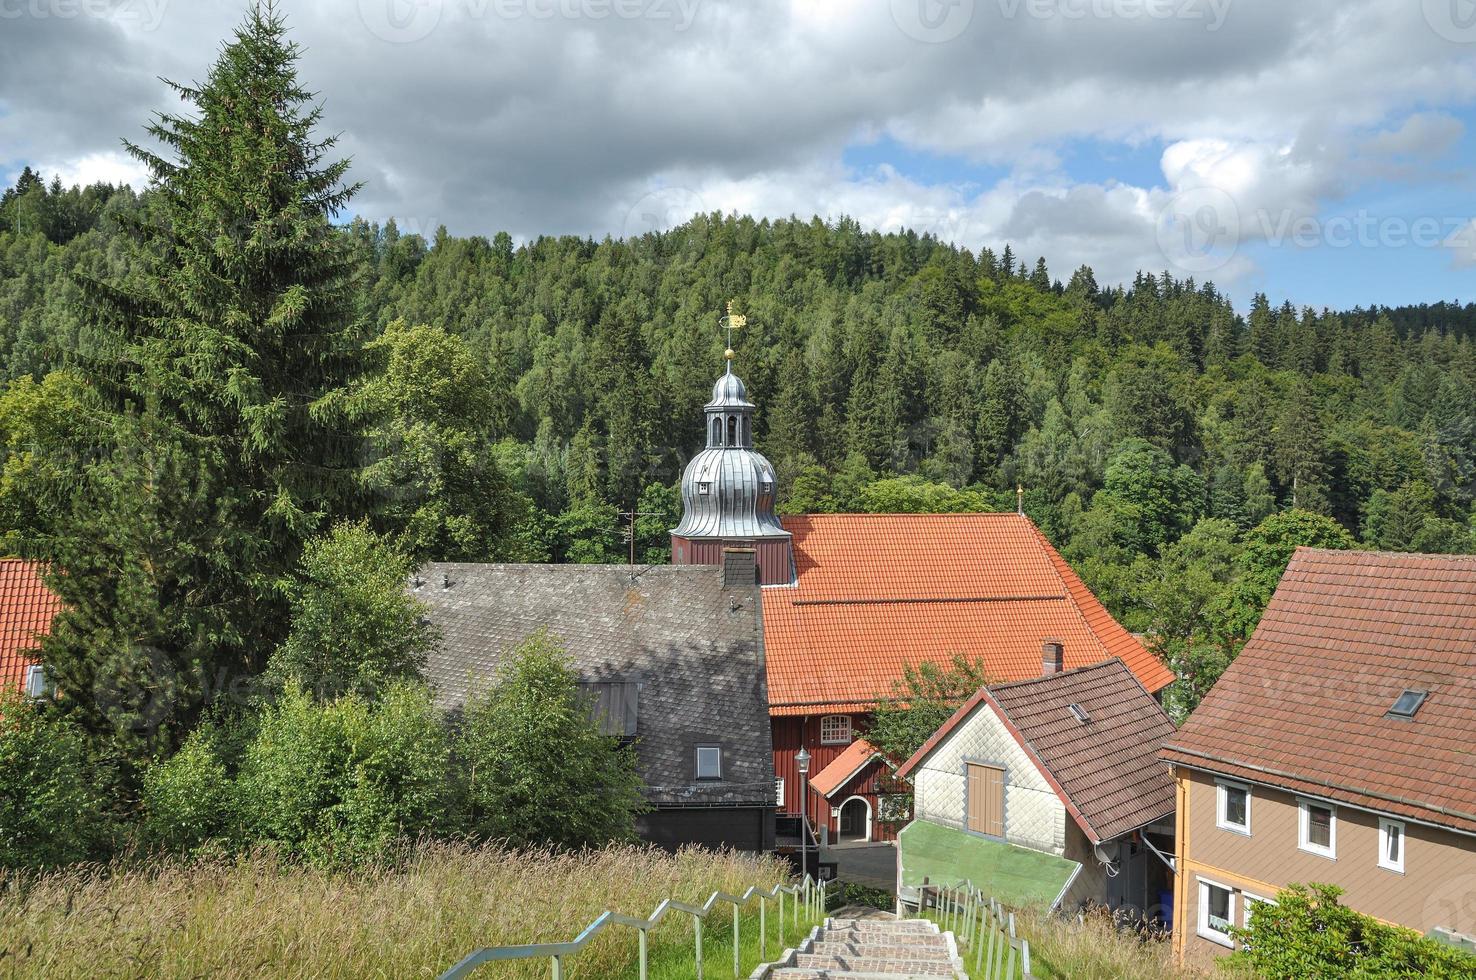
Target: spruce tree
point(218, 370)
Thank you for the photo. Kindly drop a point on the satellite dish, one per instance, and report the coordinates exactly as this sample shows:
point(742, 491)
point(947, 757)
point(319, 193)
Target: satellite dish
point(1107, 858)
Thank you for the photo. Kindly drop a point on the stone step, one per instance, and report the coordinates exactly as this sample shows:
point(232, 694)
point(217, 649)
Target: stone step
point(895, 948)
point(796, 973)
point(905, 966)
point(937, 944)
point(909, 927)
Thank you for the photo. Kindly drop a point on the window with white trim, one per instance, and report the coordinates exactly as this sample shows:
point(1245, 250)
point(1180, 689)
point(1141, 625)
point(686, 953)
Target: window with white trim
point(835, 730)
point(1249, 901)
point(709, 762)
point(1391, 844)
point(1317, 828)
point(1216, 912)
point(779, 792)
point(36, 685)
point(1233, 806)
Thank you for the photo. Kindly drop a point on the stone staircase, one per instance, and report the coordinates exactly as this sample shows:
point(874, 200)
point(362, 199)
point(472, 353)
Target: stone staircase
point(869, 948)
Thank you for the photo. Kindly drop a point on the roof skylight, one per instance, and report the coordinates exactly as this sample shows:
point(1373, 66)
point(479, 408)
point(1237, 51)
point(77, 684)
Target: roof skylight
point(1408, 703)
point(1079, 713)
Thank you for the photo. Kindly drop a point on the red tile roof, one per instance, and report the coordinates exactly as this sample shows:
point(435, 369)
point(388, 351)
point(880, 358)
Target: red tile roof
point(1106, 770)
point(27, 607)
point(843, 767)
point(875, 592)
point(1305, 704)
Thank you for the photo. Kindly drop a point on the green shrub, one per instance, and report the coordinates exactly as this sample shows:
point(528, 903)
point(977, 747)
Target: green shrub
point(1308, 935)
point(339, 783)
point(537, 769)
point(50, 810)
point(187, 797)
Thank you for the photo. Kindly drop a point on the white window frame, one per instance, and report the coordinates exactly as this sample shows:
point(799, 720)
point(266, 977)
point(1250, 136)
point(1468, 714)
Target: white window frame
point(716, 750)
point(1304, 826)
point(834, 739)
point(779, 794)
point(1247, 900)
point(1222, 806)
point(1207, 931)
point(34, 683)
point(1384, 824)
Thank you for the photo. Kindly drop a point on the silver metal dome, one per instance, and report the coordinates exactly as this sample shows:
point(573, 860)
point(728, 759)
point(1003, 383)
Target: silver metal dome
point(728, 488)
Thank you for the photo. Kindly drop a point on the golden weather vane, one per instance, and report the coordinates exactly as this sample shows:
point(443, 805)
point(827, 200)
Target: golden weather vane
point(733, 321)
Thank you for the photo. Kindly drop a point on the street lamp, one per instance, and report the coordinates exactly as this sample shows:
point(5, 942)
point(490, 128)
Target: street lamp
point(803, 762)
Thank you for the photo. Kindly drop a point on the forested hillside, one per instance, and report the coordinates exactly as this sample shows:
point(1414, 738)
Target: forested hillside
point(510, 399)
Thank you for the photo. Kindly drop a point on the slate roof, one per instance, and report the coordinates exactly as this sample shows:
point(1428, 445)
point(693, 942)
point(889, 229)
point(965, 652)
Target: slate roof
point(875, 592)
point(27, 607)
point(1106, 770)
point(1305, 704)
point(694, 647)
point(843, 767)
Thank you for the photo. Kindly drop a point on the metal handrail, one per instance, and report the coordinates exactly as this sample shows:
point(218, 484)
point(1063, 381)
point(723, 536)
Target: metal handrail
point(966, 913)
point(813, 890)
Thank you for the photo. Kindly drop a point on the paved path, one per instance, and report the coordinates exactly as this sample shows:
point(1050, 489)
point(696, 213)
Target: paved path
point(874, 865)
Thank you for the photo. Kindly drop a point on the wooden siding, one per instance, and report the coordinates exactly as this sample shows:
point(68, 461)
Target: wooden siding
point(774, 557)
point(986, 799)
point(1437, 887)
point(788, 734)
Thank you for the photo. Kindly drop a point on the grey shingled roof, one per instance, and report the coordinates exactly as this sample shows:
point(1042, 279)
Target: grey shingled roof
point(694, 647)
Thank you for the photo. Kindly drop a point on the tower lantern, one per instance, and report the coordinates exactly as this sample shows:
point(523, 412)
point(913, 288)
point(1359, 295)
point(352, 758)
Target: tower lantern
point(728, 488)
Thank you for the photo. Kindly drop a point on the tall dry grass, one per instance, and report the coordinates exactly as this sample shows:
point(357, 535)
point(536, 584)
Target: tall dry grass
point(1097, 950)
point(255, 916)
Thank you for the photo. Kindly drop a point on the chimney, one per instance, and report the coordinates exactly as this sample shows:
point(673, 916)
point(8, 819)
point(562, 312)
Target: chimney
point(740, 568)
point(1052, 657)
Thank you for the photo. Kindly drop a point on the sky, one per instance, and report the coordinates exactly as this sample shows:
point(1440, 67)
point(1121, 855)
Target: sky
point(1320, 151)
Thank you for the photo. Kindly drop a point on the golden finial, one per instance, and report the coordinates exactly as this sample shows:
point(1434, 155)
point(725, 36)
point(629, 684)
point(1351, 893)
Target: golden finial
point(733, 321)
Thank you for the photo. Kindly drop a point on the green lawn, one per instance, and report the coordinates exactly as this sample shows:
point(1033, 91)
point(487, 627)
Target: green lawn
point(1013, 875)
point(673, 958)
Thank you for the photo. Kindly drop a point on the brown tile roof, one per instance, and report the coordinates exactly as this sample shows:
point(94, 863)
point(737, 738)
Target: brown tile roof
point(1105, 770)
point(1305, 705)
point(843, 767)
point(27, 607)
point(875, 592)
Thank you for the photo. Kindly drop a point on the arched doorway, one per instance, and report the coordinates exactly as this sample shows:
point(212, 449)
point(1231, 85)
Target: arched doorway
point(855, 822)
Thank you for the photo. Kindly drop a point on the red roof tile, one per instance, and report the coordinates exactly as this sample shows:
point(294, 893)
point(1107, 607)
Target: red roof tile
point(27, 607)
point(1305, 704)
point(843, 767)
point(875, 592)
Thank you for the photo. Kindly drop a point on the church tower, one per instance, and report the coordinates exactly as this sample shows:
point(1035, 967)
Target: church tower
point(728, 488)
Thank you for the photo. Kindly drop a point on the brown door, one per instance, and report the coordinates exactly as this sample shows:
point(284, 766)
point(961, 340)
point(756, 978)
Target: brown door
point(986, 799)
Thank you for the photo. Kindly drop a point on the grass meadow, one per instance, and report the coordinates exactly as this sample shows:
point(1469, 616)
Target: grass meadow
point(255, 916)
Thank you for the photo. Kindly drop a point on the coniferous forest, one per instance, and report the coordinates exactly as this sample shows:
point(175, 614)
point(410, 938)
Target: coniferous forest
point(230, 411)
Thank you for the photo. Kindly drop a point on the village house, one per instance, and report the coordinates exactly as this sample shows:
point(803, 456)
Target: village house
point(670, 657)
point(1048, 792)
point(27, 607)
point(849, 600)
point(1337, 748)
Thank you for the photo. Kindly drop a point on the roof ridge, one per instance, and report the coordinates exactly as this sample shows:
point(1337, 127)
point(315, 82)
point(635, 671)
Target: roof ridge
point(1010, 685)
point(1394, 557)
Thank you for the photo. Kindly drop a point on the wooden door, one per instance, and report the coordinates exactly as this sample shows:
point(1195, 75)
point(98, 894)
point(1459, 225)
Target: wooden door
point(986, 799)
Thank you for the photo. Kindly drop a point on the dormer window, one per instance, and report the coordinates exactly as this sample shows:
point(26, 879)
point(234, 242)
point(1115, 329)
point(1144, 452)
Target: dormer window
point(36, 685)
point(766, 486)
point(704, 488)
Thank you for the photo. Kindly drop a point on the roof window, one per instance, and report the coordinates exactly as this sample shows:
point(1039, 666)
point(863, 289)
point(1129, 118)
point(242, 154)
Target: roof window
point(1079, 713)
point(1408, 703)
